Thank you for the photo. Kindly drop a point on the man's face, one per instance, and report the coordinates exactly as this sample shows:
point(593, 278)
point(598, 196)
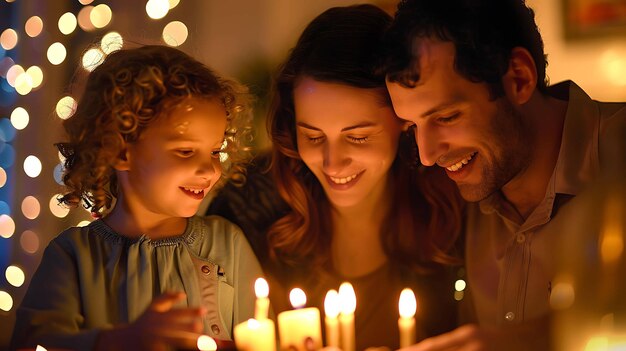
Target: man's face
point(480, 142)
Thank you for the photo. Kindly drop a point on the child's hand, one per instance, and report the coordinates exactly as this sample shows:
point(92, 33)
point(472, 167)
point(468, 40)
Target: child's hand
point(158, 328)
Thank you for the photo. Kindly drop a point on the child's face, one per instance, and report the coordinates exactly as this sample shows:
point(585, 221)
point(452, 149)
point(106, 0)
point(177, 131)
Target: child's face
point(175, 162)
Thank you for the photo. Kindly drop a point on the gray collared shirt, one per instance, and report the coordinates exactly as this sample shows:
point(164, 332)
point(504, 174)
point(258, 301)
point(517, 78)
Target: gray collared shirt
point(511, 262)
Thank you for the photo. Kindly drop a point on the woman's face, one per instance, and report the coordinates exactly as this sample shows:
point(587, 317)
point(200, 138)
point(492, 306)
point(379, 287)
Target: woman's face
point(348, 137)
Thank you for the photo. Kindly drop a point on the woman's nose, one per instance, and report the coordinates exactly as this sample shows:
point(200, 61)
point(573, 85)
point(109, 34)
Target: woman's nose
point(336, 158)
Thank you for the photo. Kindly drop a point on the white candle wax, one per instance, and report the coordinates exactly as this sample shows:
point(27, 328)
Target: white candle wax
point(262, 304)
point(331, 310)
point(253, 335)
point(300, 329)
point(347, 300)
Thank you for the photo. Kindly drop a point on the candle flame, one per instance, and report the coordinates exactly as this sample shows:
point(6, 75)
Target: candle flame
point(261, 289)
point(206, 343)
point(253, 323)
point(40, 348)
point(347, 298)
point(331, 304)
point(297, 298)
point(407, 305)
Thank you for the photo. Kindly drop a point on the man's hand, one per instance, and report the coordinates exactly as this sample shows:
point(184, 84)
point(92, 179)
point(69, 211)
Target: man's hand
point(532, 335)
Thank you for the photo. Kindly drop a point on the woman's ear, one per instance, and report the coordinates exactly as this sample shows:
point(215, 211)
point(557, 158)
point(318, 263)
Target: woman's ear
point(520, 80)
point(122, 163)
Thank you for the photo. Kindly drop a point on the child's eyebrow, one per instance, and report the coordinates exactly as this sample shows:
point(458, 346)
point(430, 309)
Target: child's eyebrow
point(184, 139)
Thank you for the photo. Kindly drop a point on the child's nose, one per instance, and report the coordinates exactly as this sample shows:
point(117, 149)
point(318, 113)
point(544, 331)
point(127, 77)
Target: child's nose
point(210, 168)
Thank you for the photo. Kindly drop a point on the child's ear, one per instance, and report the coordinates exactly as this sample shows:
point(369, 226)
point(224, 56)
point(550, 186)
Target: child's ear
point(520, 81)
point(123, 160)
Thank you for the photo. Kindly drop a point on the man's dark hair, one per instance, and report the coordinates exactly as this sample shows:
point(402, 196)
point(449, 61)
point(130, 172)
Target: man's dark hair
point(483, 31)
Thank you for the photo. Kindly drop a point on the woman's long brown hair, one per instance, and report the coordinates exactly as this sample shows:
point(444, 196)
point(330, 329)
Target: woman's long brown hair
point(342, 45)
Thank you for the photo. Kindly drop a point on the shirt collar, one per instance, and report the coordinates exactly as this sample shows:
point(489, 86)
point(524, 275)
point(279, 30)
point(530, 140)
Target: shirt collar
point(578, 160)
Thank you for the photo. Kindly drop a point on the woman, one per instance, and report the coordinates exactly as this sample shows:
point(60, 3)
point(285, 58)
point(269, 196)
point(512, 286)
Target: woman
point(358, 207)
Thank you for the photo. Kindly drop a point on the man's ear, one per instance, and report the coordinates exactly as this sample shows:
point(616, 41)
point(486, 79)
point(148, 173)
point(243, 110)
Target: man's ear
point(122, 163)
point(520, 80)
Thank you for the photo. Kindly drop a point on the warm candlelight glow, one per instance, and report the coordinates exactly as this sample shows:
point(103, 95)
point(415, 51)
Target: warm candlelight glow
point(331, 309)
point(606, 342)
point(262, 305)
point(331, 304)
point(297, 297)
point(261, 289)
point(347, 298)
point(407, 305)
point(40, 348)
point(255, 335)
point(206, 343)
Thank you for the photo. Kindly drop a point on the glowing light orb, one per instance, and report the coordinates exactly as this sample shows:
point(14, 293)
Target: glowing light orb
point(32, 166)
point(157, 9)
point(7, 226)
point(33, 26)
point(175, 33)
point(101, 16)
point(56, 53)
point(6, 301)
point(19, 118)
point(66, 107)
point(67, 23)
point(112, 41)
point(92, 58)
point(8, 39)
point(15, 276)
point(31, 207)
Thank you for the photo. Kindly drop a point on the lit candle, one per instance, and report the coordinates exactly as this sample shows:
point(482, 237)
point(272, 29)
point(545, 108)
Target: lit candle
point(206, 343)
point(347, 299)
point(262, 291)
point(253, 335)
point(300, 329)
point(407, 305)
point(331, 310)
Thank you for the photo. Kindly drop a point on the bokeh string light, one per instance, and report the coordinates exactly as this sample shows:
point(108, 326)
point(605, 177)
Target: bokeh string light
point(37, 54)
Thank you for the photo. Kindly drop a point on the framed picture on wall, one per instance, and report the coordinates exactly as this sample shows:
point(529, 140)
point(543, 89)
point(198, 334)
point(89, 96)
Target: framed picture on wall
point(594, 18)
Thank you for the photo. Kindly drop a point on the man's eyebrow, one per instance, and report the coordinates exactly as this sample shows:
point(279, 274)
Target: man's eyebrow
point(442, 106)
point(356, 126)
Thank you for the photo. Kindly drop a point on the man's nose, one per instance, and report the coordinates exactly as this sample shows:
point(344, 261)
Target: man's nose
point(430, 144)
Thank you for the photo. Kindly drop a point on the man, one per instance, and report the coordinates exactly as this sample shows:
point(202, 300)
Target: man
point(470, 75)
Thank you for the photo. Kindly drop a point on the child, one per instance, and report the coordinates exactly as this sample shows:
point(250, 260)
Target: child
point(144, 150)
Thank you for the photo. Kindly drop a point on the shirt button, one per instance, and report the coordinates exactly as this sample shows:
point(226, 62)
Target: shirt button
point(509, 316)
point(520, 238)
point(205, 269)
point(215, 329)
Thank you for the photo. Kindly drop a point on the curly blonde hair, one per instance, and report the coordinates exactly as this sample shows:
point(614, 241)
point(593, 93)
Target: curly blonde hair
point(123, 96)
